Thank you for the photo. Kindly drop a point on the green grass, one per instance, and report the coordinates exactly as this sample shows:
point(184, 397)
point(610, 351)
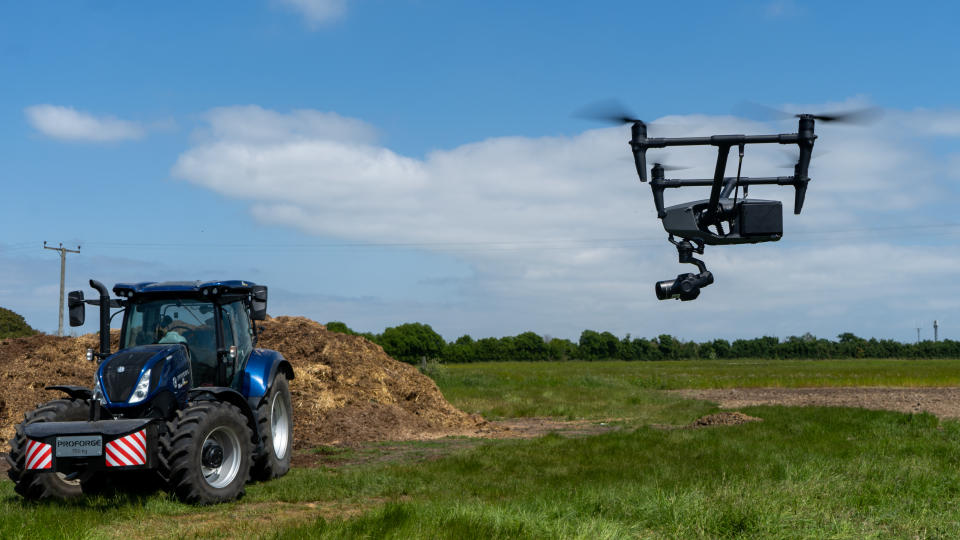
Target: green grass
point(613, 389)
point(801, 473)
point(814, 473)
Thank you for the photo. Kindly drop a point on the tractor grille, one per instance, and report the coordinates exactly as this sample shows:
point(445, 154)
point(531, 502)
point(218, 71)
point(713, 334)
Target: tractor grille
point(121, 373)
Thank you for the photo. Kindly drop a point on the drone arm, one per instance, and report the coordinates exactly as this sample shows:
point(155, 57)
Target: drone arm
point(801, 177)
point(728, 181)
point(721, 186)
point(657, 184)
point(714, 207)
point(638, 145)
point(723, 140)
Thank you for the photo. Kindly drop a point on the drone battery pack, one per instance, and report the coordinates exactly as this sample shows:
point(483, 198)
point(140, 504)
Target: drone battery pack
point(760, 218)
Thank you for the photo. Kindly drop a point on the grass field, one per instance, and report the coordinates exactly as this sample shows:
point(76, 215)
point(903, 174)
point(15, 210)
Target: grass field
point(801, 473)
point(617, 389)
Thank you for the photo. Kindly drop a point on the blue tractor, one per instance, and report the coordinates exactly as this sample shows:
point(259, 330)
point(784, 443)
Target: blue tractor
point(188, 400)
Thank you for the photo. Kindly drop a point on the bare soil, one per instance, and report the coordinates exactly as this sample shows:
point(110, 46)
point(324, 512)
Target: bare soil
point(943, 402)
point(398, 452)
point(724, 418)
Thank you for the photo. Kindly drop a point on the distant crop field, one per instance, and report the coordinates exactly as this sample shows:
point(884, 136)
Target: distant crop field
point(615, 388)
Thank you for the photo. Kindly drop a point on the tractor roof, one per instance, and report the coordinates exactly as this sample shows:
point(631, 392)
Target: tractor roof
point(185, 287)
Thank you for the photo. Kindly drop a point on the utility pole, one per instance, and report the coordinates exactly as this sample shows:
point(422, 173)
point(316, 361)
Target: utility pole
point(63, 270)
point(935, 327)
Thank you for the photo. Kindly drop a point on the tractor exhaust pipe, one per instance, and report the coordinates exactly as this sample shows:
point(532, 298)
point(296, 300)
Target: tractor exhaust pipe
point(104, 317)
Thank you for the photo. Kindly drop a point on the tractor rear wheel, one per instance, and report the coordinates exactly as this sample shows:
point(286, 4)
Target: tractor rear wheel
point(275, 417)
point(41, 485)
point(207, 452)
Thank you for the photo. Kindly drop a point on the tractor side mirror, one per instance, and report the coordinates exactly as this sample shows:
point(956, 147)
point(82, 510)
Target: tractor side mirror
point(258, 303)
point(77, 308)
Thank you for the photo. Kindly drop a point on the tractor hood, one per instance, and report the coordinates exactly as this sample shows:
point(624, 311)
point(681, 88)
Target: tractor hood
point(119, 376)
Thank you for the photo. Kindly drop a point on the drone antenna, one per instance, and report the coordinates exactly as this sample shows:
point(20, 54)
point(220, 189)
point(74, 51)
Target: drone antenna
point(736, 192)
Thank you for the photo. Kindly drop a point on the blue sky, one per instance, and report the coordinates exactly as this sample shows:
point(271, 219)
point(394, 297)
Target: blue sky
point(385, 162)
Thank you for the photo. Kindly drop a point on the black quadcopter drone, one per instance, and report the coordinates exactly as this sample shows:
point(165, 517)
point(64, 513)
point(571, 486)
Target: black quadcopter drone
point(722, 220)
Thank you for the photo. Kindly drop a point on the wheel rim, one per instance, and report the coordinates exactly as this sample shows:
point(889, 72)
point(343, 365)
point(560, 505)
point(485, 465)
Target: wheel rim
point(63, 478)
point(279, 426)
point(222, 474)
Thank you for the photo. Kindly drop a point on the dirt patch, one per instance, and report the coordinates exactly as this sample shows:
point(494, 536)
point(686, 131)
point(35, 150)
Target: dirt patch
point(724, 418)
point(943, 401)
point(533, 427)
point(347, 390)
point(401, 452)
point(245, 520)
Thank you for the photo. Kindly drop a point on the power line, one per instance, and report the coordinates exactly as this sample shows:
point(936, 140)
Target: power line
point(480, 245)
point(63, 270)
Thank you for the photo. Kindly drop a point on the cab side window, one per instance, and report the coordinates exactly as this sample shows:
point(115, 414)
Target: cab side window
point(237, 330)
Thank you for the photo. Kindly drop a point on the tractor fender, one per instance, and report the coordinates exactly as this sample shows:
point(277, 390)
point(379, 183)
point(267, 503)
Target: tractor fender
point(75, 392)
point(261, 368)
point(229, 395)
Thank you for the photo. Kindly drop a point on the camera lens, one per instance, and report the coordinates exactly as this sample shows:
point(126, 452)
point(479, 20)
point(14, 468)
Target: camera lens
point(664, 289)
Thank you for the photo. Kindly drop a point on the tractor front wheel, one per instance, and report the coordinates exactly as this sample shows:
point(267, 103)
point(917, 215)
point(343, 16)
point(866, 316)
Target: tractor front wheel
point(206, 454)
point(275, 417)
point(32, 484)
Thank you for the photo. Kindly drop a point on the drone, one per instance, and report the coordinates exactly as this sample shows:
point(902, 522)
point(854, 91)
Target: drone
point(722, 219)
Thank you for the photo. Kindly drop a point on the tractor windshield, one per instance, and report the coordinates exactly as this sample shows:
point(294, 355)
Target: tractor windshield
point(176, 320)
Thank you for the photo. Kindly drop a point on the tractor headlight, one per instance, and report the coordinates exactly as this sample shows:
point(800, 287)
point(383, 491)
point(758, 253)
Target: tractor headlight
point(98, 391)
point(143, 386)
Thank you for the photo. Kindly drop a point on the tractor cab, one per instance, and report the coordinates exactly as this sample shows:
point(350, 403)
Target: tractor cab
point(176, 336)
point(213, 320)
point(216, 331)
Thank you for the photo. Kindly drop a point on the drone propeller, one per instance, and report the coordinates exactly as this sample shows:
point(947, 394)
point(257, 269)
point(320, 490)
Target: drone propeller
point(666, 167)
point(794, 157)
point(611, 111)
point(856, 116)
point(853, 116)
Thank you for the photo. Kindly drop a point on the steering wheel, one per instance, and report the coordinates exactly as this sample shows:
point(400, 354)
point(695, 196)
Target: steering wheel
point(177, 326)
point(185, 331)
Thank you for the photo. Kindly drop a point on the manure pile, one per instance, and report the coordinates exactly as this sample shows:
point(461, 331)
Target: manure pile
point(347, 390)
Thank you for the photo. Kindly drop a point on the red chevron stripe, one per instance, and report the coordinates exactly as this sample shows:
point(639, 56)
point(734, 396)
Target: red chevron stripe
point(140, 438)
point(117, 458)
point(46, 461)
point(129, 450)
point(39, 455)
point(120, 455)
point(120, 445)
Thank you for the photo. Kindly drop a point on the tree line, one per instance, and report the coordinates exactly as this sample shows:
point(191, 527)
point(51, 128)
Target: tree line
point(412, 342)
point(13, 325)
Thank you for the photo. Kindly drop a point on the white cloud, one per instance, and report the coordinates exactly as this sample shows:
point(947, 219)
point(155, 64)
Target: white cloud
point(317, 12)
point(561, 234)
point(945, 123)
point(70, 124)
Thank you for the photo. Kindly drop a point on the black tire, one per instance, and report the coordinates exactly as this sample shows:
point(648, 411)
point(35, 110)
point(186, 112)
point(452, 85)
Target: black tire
point(42, 485)
point(188, 461)
point(275, 419)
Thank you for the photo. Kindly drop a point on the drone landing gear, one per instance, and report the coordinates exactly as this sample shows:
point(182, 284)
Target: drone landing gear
point(685, 286)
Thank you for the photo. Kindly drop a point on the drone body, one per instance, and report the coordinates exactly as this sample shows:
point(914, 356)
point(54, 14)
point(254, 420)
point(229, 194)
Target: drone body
point(726, 217)
point(721, 219)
